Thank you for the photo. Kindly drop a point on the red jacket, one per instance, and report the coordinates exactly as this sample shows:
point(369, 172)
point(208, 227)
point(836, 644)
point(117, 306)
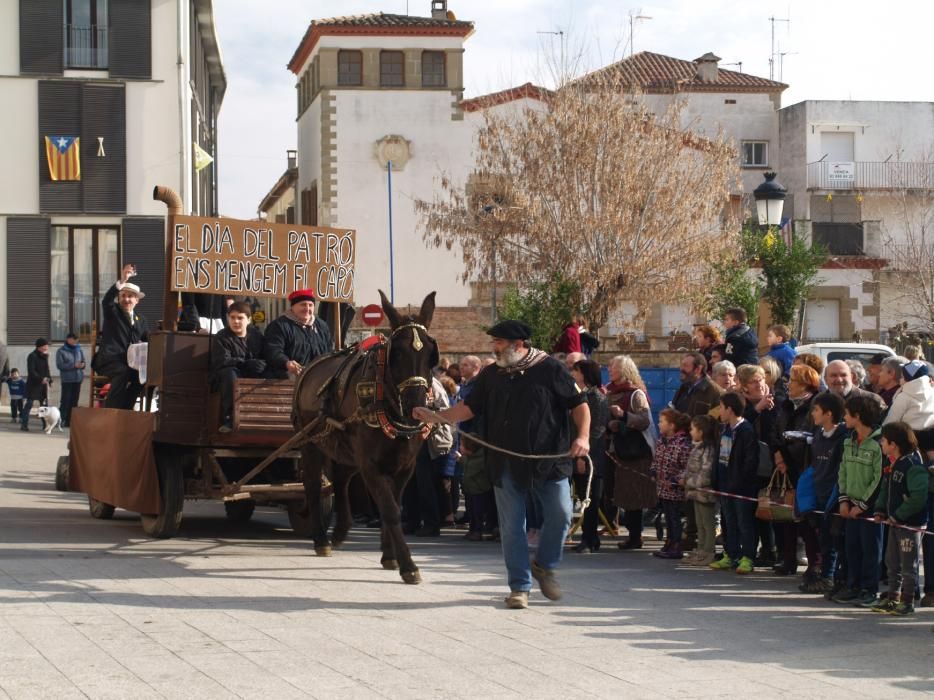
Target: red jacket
point(570, 339)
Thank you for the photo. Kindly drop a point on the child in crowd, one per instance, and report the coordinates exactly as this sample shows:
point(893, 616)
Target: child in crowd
point(826, 451)
point(779, 349)
point(859, 479)
point(735, 474)
point(697, 477)
point(17, 387)
point(668, 467)
point(902, 502)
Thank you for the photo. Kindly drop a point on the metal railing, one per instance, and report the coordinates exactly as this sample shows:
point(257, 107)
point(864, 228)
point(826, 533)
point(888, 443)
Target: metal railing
point(86, 47)
point(902, 256)
point(867, 175)
point(839, 238)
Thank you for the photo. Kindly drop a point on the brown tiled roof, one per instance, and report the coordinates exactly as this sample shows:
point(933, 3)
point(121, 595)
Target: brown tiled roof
point(381, 19)
point(377, 23)
point(528, 90)
point(654, 72)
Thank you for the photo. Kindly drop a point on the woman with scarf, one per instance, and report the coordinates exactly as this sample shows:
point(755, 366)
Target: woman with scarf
point(633, 487)
point(791, 458)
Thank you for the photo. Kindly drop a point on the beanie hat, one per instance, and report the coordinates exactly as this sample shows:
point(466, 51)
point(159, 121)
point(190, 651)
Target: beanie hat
point(40, 342)
point(914, 370)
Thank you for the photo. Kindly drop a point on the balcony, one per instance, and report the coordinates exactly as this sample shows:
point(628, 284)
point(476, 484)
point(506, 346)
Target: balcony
point(867, 175)
point(839, 238)
point(86, 47)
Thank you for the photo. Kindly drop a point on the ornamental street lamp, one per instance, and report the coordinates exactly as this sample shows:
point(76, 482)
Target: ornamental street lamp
point(770, 200)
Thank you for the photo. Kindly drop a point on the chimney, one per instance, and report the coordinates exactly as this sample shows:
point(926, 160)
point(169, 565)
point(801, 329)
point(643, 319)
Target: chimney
point(291, 157)
point(708, 70)
point(439, 9)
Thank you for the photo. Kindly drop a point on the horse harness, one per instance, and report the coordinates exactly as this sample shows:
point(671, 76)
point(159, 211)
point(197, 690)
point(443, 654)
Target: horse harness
point(376, 407)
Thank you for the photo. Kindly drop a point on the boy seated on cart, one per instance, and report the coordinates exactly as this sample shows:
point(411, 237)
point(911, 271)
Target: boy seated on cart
point(236, 351)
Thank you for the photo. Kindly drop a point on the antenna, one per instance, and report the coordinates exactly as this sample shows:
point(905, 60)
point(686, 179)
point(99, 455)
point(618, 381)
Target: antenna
point(781, 62)
point(560, 34)
point(737, 63)
point(772, 55)
point(634, 15)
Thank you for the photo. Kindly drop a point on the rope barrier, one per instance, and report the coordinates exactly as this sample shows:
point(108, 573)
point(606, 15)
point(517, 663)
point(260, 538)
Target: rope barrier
point(752, 499)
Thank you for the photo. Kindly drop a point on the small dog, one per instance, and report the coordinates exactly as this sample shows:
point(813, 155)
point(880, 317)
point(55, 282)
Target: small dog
point(52, 417)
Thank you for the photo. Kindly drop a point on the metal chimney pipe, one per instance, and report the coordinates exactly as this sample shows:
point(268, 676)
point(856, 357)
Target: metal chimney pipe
point(160, 193)
point(173, 203)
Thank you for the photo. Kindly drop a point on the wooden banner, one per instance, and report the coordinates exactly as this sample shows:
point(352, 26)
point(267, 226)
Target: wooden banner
point(259, 259)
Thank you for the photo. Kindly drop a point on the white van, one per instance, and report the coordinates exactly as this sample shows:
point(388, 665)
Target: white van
point(863, 352)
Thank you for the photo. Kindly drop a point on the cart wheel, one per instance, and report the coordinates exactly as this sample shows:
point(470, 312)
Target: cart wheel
point(240, 511)
point(61, 473)
point(100, 510)
point(299, 517)
point(172, 488)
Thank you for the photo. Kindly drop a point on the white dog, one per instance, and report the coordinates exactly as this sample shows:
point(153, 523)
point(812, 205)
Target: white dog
point(52, 417)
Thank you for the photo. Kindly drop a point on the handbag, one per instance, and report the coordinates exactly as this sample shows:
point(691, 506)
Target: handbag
point(805, 494)
point(776, 501)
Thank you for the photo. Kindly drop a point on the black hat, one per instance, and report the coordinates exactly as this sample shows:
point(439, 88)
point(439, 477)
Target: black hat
point(40, 342)
point(511, 330)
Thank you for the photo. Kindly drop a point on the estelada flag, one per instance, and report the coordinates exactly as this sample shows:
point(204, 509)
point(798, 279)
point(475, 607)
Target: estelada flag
point(63, 154)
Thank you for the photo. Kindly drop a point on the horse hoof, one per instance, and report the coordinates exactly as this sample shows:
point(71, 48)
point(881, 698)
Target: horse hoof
point(323, 551)
point(412, 576)
point(390, 564)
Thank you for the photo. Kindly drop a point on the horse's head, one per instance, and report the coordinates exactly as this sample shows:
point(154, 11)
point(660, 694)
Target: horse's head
point(411, 355)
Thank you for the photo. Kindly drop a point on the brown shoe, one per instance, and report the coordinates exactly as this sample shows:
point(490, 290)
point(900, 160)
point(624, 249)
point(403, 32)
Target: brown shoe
point(546, 581)
point(517, 600)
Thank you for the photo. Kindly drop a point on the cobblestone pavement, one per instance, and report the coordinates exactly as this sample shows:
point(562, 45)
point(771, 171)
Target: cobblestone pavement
point(92, 608)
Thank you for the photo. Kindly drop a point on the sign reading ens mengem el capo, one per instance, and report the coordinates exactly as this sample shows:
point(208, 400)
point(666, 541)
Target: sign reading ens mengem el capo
point(255, 258)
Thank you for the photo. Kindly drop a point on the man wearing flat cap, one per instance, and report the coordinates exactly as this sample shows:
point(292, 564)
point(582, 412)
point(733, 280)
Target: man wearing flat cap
point(525, 398)
point(296, 337)
point(121, 328)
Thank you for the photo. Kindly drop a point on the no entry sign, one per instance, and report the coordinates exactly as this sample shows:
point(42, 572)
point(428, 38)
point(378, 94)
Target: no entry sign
point(372, 315)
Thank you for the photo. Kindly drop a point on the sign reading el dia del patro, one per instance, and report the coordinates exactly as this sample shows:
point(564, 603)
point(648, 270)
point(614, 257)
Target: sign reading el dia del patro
point(254, 258)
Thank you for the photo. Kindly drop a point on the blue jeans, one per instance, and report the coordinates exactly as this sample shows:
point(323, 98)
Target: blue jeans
point(863, 554)
point(554, 499)
point(829, 544)
point(741, 531)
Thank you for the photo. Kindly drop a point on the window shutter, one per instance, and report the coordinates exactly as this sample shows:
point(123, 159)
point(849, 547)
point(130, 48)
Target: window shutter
point(41, 36)
point(103, 178)
point(144, 246)
point(28, 286)
point(130, 38)
point(59, 115)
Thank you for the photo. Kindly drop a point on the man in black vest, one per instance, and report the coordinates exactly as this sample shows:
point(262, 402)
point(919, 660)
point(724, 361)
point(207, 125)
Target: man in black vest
point(296, 337)
point(122, 328)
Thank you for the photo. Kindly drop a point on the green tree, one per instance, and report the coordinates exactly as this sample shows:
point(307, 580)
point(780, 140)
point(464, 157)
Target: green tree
point(547, 306)
point(730, 286)
point(789, 271)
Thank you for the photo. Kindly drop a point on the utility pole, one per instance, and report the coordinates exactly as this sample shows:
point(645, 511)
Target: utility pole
point(773, 20)
point(633, 16)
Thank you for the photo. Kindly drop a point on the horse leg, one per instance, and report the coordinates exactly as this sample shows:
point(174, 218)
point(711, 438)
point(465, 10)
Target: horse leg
point(386, 491)
point(312, 467)
point(341, 487)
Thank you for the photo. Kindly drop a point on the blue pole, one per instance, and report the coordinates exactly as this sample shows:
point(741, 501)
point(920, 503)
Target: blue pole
point(392, 278)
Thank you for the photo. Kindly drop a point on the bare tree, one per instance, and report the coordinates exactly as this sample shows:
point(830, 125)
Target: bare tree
point(908, 281)
point(627, 204)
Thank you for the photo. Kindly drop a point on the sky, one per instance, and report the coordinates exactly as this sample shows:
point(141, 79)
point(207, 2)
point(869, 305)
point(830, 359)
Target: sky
point(833, 50)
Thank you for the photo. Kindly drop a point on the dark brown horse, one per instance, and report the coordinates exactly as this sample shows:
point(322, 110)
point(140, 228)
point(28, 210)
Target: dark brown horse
point(362, 401)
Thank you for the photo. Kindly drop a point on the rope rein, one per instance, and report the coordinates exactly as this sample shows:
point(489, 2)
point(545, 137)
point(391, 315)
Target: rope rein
point(585, 501)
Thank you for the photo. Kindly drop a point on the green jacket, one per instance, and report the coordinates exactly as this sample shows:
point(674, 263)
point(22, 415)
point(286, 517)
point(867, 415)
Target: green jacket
point(860, 471)
point(904, 491)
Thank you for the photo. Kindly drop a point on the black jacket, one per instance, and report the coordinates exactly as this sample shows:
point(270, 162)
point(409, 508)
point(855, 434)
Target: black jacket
point(825, 458)
point(794, 450)
point(117, 334)
point(697, 398)
point(742, 345)
point(739, 477)
point(37, 369)
point(243, 354)
point(287, 340)
point(904, 491)
point(526, 412)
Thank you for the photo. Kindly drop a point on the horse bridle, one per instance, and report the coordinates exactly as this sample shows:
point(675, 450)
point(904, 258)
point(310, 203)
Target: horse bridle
point(392, 426)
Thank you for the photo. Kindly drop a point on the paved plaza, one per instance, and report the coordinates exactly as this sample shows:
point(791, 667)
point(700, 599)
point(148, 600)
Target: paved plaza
point(94, 609)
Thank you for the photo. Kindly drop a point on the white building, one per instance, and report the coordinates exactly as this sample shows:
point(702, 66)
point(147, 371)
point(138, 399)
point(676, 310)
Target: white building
point(372, 90)
point(857, 173)
point(137, 83)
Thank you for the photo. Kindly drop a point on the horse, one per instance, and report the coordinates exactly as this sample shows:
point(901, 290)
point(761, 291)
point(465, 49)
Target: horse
point(361, 400)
